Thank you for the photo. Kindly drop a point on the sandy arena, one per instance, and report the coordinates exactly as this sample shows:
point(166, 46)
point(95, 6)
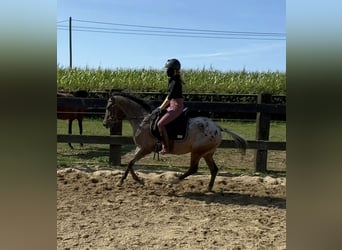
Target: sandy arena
point(244, 212)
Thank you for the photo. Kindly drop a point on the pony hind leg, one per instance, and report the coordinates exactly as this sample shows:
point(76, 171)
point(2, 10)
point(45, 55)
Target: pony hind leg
point(213, 169)
point(193, 166)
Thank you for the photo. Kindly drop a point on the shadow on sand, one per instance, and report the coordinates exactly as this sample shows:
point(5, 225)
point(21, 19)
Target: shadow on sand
point(229, 198)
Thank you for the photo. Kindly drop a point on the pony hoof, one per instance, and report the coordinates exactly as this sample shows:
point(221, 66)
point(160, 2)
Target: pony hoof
point(141, 181)
point(119, 183)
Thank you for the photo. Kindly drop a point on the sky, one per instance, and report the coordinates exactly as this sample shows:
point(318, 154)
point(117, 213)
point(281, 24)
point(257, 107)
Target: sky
point(225, 35)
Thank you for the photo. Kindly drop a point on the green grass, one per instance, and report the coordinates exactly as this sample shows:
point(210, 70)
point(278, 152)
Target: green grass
point(96, 156)
point(197, 81)
point(91, 127)
point(245, 129)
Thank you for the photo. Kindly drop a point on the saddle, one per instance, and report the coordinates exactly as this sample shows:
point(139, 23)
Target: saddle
point(176, 130)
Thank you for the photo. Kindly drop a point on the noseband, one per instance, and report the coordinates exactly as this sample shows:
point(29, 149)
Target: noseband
point(112, 118)
point(113, 115)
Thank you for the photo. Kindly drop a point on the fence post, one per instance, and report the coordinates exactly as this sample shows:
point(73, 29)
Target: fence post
point(262, 133)
point(115, 150)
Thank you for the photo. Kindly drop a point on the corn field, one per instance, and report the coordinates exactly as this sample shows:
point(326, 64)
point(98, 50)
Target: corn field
point(196, 81)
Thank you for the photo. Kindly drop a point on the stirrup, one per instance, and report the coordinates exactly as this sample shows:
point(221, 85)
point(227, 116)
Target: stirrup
point(157, 149)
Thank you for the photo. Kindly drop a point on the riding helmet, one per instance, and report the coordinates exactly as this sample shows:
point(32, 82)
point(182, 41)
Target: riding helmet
point(173, 64)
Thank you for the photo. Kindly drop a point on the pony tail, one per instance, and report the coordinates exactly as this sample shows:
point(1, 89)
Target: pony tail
point(240, 141)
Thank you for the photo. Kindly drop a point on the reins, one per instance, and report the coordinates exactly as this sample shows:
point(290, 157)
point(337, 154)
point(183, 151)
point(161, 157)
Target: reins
point(137, 117)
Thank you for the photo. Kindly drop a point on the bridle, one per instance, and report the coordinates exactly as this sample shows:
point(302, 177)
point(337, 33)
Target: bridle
point(113, 117)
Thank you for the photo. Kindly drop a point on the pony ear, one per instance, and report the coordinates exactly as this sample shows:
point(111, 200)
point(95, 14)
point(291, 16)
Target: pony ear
point(117, 90)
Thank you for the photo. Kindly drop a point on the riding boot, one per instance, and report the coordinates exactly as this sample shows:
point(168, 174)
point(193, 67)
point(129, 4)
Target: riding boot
point(165, 141)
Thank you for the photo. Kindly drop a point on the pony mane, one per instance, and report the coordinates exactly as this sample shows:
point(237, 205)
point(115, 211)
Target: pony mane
point(139, 101)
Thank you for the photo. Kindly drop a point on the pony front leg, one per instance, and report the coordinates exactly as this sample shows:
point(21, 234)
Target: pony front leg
point(134, 175)
point(140, 153)
point(70, 131)
point(124, 176)
point(80, 126)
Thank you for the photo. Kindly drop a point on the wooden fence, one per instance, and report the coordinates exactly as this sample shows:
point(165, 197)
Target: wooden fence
point(263, 110)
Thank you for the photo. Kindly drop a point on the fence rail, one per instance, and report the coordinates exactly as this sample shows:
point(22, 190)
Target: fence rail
point(97, 107)
point(203, 97)
point(263, 111)
point(128, 140)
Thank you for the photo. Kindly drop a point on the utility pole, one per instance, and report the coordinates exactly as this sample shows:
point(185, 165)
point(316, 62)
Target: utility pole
point(70, 44)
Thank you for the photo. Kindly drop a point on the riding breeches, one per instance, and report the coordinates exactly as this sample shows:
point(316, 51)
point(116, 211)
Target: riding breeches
point(173, 111)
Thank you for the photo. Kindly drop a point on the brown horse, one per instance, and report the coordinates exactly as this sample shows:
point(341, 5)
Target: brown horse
point(203, 136)
point(72, 112)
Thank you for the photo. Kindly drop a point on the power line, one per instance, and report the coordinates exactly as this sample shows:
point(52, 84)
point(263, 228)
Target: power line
point(163, 34)
point(85, 28)
point(144, 30)
point(63, 21)
point(184, 29)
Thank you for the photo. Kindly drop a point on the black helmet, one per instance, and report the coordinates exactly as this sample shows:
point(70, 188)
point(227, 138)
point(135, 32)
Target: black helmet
point(173, 64)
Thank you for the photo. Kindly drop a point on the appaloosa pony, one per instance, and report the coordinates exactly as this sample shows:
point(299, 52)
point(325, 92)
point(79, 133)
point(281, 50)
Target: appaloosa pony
point(202, 138)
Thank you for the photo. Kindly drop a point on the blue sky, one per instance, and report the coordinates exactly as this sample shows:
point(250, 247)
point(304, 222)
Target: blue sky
point(112, 50)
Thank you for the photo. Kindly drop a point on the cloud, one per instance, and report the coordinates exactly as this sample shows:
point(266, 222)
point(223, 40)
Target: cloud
point(253, 49)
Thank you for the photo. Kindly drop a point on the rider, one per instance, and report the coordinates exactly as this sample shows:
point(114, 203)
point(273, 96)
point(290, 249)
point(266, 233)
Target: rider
point(173, 102)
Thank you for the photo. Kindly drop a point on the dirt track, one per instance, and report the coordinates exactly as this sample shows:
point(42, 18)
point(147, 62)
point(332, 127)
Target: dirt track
point(244, 212)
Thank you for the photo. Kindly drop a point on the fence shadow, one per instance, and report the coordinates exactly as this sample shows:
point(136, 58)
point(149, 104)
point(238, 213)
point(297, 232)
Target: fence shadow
point(88, 154)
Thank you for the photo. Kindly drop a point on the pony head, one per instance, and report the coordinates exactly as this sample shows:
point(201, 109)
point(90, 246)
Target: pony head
point(113, 113)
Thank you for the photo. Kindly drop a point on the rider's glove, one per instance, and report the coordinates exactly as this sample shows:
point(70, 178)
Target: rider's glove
point(156, 111)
